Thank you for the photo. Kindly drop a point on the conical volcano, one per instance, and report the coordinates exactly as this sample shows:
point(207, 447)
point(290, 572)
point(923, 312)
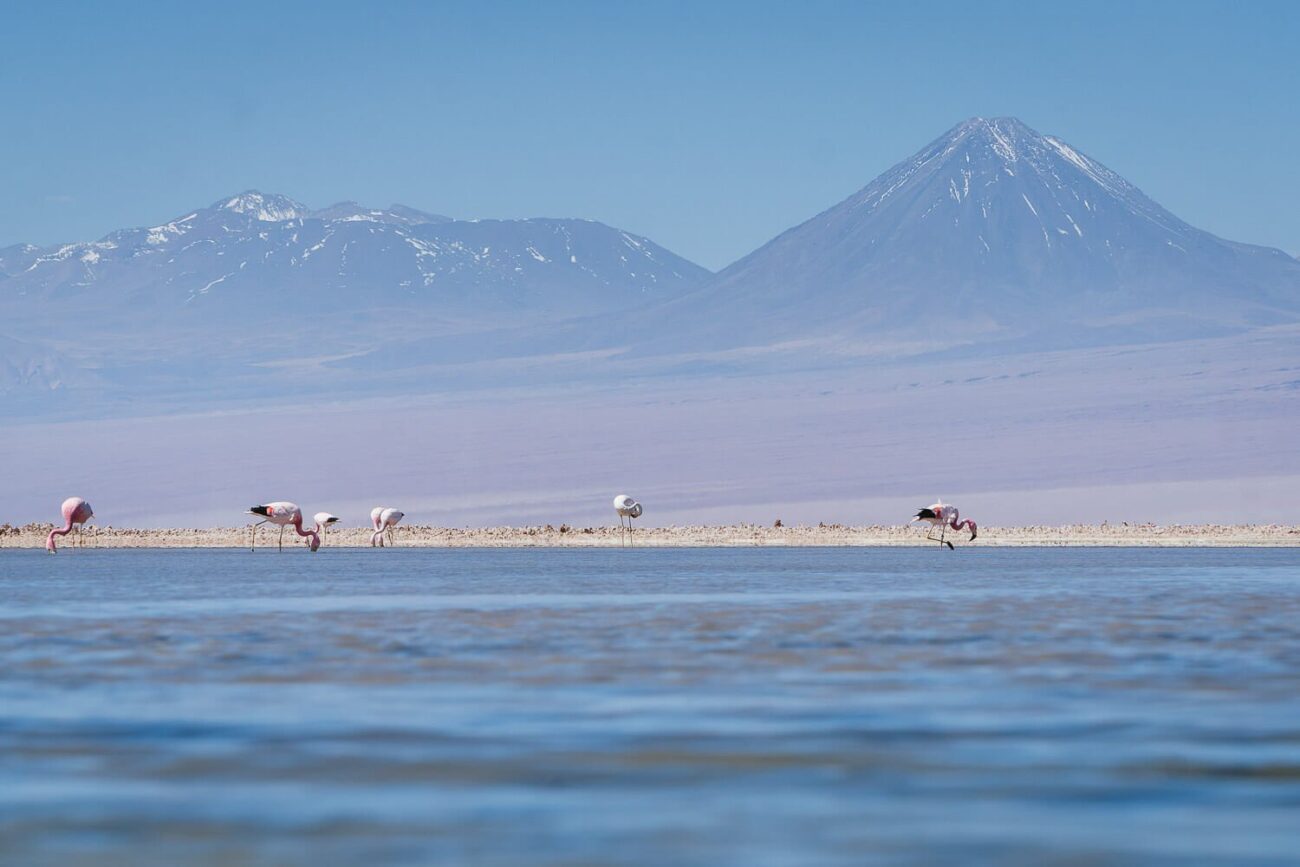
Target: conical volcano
point(992, 231)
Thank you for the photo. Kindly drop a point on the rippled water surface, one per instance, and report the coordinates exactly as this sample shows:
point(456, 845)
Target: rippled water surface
point(762, 707)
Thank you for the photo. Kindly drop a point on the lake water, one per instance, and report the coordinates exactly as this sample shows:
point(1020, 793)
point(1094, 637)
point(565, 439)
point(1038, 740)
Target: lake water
point(761, 707)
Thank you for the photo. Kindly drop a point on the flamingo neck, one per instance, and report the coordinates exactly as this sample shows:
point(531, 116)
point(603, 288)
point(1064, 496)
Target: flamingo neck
point(967, 524)
point(310, 534)
point(49, 540)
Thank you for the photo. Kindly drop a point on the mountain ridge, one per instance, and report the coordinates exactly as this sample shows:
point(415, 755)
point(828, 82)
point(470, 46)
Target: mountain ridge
point(349, 254)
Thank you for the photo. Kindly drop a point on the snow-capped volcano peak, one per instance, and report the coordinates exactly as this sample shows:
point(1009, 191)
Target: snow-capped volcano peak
point(1002, 134)
point(267, 207)
point(996, 228)
point(982, 171)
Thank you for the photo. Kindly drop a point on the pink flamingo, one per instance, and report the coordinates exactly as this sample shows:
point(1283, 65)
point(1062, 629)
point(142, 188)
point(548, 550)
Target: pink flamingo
point(383, 519)
point(943, 515)
point(76, 511)
point(283, 515)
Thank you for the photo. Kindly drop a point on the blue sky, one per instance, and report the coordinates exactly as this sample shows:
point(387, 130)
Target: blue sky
point(708, 127)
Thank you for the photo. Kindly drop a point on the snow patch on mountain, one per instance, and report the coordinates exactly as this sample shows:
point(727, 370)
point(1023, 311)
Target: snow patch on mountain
point(264, 207)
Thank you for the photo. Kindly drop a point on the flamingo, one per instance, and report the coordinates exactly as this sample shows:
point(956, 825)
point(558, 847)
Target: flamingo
point(323, 521)
point(383, 519)
point(282, 514)
point(943, 515)
point(76, 512)
point(626, 507)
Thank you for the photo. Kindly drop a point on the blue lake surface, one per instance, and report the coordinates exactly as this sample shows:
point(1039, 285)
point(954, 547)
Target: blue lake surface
point(764, 707)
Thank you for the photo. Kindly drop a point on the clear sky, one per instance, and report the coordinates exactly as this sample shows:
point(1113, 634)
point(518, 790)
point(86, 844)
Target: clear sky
point(709, 127)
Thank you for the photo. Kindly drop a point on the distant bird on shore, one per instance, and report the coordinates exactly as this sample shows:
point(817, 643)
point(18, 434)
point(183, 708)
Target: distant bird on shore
point(76, 512)
point(383, 519)
point(282, 514)
point(943, 516)
point(628, 508)
point(323, 521)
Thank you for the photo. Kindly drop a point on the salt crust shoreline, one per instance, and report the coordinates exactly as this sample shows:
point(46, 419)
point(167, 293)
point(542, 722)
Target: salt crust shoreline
point(741, 535)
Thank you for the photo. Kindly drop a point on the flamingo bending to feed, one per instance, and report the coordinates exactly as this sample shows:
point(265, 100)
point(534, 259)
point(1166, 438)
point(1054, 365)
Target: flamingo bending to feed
point(383, 519)
point(626, 507)
point(943, 515)
point(282, 514)
point(76, 512)
point(323, 521)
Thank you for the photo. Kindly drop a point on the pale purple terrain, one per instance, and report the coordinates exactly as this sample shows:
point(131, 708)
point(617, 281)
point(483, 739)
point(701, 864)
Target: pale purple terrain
point(999, 320)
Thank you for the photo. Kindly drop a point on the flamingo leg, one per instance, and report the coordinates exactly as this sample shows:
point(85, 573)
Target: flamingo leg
point(943, 532)
point(253, 536)
point(281, 544)
point(631, 537)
